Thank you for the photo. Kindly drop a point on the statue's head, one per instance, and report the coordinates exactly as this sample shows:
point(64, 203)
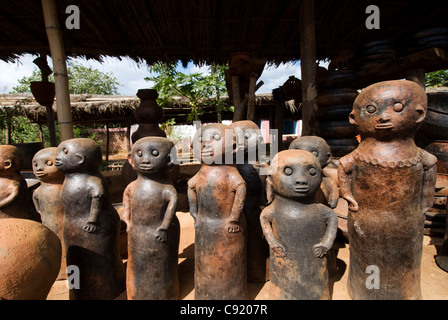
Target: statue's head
point(248, 135)
point(44, 166)
point(389, 110)
point(316, 145)
point(78, 155)
point(212, 142)
point(10, 159)
point(151, 155)
point(295, 174)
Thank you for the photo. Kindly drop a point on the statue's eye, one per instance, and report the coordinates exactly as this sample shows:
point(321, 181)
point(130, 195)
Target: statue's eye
point(139, 153)
point(35, 163)
point(65, 150)
point(155, 153)
point(49, 163)
point(371, 109)
point(398, 107)
point(287, 171)
point(315, 153)
point(247, 135)
point(217, 137)
point(312, 171)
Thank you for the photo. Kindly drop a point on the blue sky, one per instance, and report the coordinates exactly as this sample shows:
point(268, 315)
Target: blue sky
point(131, 76)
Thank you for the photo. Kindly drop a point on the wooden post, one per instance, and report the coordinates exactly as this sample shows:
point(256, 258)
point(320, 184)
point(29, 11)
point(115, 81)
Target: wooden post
point(251, 98)
point(417, 75)
point(238, 113)
point(59, 69)
point(308, 64)
point(107, 141)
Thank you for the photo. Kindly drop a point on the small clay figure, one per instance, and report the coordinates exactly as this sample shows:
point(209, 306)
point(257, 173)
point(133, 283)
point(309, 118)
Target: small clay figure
point(329, 191)
point(299, 230)
point(91, 224)
point(216, 197)
point(30, 259)
point(389, 184)
point(15, 199)
point(47, 197)
point(149, 210)
point(248, 138)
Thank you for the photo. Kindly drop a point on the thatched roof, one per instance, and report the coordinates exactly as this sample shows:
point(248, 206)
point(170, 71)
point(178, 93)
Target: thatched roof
point(206, 31)
point(88, 108)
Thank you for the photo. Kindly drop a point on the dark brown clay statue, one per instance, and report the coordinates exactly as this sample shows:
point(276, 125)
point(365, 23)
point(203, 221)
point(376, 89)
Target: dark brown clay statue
point(47, 197)
point(15, 199)
point(149, 210)
point(329, 191)
point(30, 258)
point(216, 197)
point(389, 184)
point(248, 139)
point(91, 224)
point(299, 230)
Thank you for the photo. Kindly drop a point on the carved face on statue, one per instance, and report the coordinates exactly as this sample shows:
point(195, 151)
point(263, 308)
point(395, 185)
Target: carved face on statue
point(296, 174)
point(44, 166)
point(389, 109)
point(211, 143)
point(316, 145)
point(78, 155)
point(151, 155)
point(247, 134)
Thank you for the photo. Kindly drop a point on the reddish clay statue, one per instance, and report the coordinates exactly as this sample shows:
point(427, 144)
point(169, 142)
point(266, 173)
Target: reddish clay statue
point(30, 258)
point(389, 184)
point(15, 199)
point(249, 137)
point(47, 197)
point(91, 224)
point(299, 230)
point(329, 191)
point(149, 210)
point(216, 196)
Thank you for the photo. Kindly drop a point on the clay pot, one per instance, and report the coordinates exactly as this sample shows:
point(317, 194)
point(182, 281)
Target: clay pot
point(335, 79)
point(341, 147)
point(439, 148)
point(43, 92)
point(339, 96)
point(30, 258)
point(335, 129)
point(337, 112)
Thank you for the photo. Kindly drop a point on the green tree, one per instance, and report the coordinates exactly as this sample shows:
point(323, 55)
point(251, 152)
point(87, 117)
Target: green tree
point(200, 89)
point(437, 78)
point(82, 80)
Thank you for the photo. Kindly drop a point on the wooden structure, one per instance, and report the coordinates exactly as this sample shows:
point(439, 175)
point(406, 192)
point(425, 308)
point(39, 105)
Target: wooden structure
point(209, 32)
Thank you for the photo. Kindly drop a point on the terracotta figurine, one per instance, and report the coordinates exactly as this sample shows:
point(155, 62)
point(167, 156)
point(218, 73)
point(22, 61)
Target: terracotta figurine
point(248, 139)
point(91, 224)
point(216, 197)
point(47, 197)
point(15, 199)
point(329, 191)
point(389, 184)
point(149, 210)
point(299, 230)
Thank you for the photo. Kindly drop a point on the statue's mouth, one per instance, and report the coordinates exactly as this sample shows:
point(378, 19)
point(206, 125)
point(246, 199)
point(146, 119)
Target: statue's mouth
point(384, 126)
point(40, 174)
point(58, 163)
point(145, 167)
point(301, 189)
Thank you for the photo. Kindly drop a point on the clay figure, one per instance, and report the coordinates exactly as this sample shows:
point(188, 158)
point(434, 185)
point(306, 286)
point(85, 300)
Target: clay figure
point(15, 199)
point(30, 258)
point(299, 230)
point(248, 137)
point(389, 184)
point(216, 197)
point(149, 210)
point(47, 197)
point(329, 191)
point(91, 224)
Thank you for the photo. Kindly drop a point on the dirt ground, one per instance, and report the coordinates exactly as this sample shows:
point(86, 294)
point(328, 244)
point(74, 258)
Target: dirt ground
point(434, 281)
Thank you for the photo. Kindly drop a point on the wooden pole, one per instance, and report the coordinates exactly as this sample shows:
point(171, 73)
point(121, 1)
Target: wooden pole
point(59, 69)
point(238, 113)
point(308, 64)
point(251, 98)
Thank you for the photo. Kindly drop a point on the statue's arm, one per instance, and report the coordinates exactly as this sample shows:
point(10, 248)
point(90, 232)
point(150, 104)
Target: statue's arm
point(193, 198)
point(266, 218)
point(170, 195)
point(345, 186)
point(429, 181)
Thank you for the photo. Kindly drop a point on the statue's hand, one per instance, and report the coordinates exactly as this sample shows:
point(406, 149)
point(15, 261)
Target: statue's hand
point(91, 227)
point(233, 227)
point(161, 235)
point(279, 250)
point(320, 250)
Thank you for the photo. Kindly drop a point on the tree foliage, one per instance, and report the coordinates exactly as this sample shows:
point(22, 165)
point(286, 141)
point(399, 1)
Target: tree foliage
point(200, 89)
point(437, 78)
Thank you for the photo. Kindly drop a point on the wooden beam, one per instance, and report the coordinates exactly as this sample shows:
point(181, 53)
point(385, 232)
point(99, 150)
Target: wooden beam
point(59, 69)
point(308, 64)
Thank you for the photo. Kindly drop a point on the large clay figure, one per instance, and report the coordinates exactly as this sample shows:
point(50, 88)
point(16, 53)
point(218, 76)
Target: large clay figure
point(149, 210)
point(15, 199)
point(216, 197)
point(47, 197)
point(91, 224)
point(299, 230)
point(30, 258)
point(249, 137)
point(329, 191)
point(389, 184)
